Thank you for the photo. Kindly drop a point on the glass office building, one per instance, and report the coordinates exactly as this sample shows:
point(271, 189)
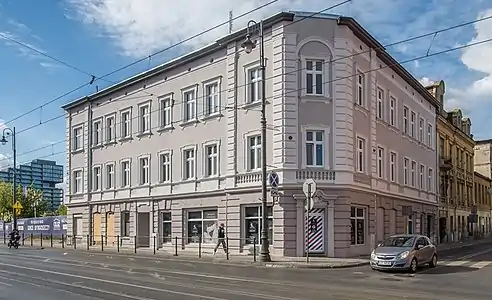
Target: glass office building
point(43, 175)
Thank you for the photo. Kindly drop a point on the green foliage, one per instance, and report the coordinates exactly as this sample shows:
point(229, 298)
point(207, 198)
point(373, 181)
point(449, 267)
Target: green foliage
point(27, 201)
point(62, 210)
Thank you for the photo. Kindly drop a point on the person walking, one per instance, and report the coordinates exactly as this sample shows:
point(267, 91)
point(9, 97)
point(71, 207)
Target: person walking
point(221, 239)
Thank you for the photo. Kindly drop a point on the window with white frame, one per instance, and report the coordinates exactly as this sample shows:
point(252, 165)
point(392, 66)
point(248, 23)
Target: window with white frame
point(189, 164)
point(166, 227)
point(357, 225)
point(166, 112)
point(77, 182)
point(202, 226)
point(405, 119)
point(406, 162)
point(252, 224)
point(126, 124)
point(393, 167)
point(314, 77)
point(429, 135)
point(165, 169)
point(211, 160)
point(380, 162)
point(110, 129)
point(109, 176)
point(96, 178)
point(144, 118)
point(412, 124)
point(96, 133)
point(315, 148)
point(392, 112)
point(254, 85)
point(430, 179)
point(413, 171)
point(422, 177)
point(211, 98)
point(421, 129)
point(360, 88)
point(189, 105)
point(125, 173)
point(144, 170)
point(380, 106)
point(360, 159)
point(254, 152)
point(78, 142)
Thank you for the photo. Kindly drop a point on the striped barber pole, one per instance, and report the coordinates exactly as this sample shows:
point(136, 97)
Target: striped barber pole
point(315, 231)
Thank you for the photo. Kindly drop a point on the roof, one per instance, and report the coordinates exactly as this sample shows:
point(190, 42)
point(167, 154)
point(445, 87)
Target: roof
point(482, 176)
point(484, 142)
point(356, 28)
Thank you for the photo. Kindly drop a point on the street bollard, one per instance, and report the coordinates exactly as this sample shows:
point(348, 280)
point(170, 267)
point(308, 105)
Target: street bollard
point(41, 245)
point(63, 241)
point(155, 240)
point(88, 242)
point(135, 244)
point(254, 249)
point(117, 243)
point(200, 246)
point(227, 247)
point(175, 246)
point(32, 240)
point(74, 242)
point(51, 240)
point(23, 238)
point(4, 237)
point(102, 243)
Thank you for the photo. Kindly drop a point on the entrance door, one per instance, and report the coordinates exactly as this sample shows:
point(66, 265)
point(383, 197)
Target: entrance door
point(97, 227)
point(315, 231)
point(143, 230)
point(110, 228)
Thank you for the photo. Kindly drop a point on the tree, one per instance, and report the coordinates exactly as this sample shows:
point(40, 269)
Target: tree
point(62, 210)
point(28, 201)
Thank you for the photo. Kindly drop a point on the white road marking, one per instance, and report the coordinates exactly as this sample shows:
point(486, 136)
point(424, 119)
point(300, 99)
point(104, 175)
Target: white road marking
point(454, 263)
point(481, 264)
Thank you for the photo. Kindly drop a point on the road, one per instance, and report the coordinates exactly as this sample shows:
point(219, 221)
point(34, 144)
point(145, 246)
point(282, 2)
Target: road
point(54, 274)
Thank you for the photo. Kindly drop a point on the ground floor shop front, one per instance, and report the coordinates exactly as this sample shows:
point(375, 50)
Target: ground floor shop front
point(455, 224)
point(343, 223)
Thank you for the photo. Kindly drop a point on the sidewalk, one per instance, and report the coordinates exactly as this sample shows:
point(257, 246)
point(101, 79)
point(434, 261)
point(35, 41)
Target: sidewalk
point(463, 244)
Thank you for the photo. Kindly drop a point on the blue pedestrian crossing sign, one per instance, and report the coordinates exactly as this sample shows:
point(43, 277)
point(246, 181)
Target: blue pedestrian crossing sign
point(273, 179)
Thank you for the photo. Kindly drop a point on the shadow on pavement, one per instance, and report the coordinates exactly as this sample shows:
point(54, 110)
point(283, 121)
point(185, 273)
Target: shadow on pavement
point(441, 270)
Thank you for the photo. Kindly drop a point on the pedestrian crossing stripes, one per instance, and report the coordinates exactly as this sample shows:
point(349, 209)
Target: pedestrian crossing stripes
point(466, 263)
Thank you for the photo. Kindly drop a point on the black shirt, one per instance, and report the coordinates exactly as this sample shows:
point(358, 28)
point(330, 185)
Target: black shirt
point(221, 233)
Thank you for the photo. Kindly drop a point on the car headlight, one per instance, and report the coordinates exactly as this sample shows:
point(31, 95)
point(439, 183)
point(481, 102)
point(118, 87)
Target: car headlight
point(373, 255)
point(404, 254)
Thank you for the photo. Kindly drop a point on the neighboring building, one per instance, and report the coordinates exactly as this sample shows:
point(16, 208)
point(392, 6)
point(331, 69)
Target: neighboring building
point(483, 157)
point(483, 184)
point(455, 157)
point(43, 175)
point(185, 154)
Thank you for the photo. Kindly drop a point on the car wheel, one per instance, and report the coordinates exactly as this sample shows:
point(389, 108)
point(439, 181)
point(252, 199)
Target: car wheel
point(413, 265)
point(433, 262)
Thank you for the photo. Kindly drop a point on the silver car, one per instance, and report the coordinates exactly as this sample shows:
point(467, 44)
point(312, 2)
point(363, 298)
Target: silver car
point(404, 252)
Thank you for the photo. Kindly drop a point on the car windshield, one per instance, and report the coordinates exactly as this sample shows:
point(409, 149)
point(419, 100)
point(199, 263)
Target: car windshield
point(398, 241)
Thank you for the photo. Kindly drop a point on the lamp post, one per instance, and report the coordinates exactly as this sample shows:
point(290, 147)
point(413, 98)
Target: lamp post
point(248, 45)
point(7, 132)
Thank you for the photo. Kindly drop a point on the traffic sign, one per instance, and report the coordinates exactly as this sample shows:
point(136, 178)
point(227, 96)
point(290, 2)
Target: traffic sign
point(17, 211)
point(309, 203)
point(17, 205)
point(309, 187)
point(273, 179)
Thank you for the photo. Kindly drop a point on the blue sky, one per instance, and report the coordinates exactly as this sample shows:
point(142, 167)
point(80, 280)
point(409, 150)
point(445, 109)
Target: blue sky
point(99, 36)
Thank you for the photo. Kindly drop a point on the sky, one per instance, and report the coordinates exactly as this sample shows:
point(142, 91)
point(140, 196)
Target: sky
point(99, 36)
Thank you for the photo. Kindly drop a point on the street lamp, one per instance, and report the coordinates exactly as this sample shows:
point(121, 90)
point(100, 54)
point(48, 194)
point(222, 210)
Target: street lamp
point(248, 45)
point(7, 132)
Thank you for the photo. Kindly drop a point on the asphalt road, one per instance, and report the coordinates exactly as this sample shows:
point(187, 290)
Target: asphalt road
point(27, 274)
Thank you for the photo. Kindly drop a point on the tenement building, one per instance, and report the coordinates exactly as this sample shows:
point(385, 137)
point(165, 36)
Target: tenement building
point(176, 150)
point(483, 203)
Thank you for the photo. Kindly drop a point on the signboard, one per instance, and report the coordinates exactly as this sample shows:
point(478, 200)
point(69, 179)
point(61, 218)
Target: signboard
point(56, 225)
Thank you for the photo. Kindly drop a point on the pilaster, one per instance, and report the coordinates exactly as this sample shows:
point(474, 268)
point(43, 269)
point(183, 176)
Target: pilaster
point(231, 115)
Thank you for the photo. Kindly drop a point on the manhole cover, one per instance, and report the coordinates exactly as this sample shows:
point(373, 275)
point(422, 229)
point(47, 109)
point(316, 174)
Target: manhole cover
point(390, 279)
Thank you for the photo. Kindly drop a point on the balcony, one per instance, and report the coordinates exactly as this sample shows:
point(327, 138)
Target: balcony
point(445, 163)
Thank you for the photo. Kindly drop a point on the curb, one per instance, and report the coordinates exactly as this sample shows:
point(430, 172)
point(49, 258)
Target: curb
point(314, 266)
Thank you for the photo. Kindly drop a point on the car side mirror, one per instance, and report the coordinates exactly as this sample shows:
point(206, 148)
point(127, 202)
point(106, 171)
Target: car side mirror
point(420, 246)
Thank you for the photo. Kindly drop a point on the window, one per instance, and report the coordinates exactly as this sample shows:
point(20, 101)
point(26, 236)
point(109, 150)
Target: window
point(144, 170)
point(254, 152)
point(253, 224)
point(412, 124)
point(392, 112)
point(126, 124)
point(211, 99)
point(314, 77)
point(413, 170)
point(204, 224)
point(430, 178)
point(211, 160)
point(166, 110)
point(109, 176)
point(422, 177)
point(360, 155)
point(393, 166)
point(165, 170)
point(254, 85)
point(96, 133)
point(409, 229)
point(380, 112)
point(360, 89)
point(380, 162)
point(110, 129)
point(78, 143)
point(314, 148)
point(357, 226)
point(166, 227)
point(405, 119)
point(405, 170)
point(77, 182)
point(429, 135)
point(125, 173)
point(144, 118)
point(189, 164)
point(125, 223)
point(189, 105)
point(421, 130)
point(96, 178)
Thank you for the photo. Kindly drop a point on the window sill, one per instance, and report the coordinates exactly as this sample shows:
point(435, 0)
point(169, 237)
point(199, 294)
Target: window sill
point(361, 108)
point(110, 143)
point(144, 134)
point(188, 180)
point(165, 128)
point(163, 183)
point(125, 139)
point(250, 105)
point(216, 115)
point(189, 123)
point(315, 98)
point(97, 146)
point(81, 150)
point(110, 190)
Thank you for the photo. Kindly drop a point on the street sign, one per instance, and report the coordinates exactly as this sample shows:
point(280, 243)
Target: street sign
point(17, 205)
point(274, 193)
point(309, 203)
point(273, 179)
point(17, 211)
point(309, 187)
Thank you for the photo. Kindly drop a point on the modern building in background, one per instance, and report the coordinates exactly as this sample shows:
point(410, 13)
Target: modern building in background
point(176, 150)
point(43, 175)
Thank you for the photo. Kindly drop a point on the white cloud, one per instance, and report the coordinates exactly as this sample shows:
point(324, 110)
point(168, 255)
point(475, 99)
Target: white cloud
point(426, 81)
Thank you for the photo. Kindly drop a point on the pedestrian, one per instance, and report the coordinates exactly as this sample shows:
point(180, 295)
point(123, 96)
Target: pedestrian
point(221, 239)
